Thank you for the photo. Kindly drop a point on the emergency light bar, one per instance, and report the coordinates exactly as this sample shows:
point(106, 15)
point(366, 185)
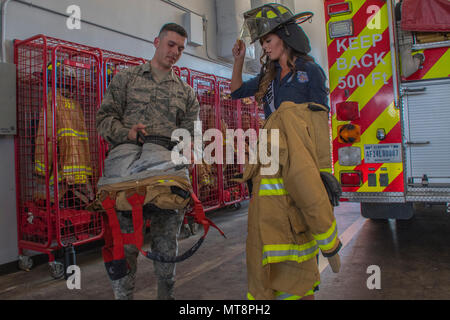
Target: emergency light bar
point(340, 29)
point(339, 8)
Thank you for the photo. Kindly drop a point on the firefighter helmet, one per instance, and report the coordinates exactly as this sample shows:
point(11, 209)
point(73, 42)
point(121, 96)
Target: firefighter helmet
point(64, 73)
point(268, 18)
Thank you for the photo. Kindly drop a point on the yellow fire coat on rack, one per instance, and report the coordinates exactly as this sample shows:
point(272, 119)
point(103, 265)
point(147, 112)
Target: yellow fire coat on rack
point(74, 163)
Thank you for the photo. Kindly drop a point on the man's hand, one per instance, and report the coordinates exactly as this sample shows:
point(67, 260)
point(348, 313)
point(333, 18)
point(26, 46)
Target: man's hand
point(132, 134)
point(239, 50)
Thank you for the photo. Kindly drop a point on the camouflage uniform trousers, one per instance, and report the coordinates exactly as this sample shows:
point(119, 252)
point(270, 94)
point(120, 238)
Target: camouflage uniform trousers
point(164, 229)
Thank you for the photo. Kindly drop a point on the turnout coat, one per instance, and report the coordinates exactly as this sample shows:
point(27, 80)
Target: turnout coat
point(290, 217)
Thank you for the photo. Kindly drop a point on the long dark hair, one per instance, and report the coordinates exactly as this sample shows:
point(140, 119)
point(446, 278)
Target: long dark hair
point(268, 69)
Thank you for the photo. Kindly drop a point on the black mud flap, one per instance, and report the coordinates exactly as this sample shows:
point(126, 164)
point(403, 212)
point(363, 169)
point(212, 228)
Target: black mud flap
point(399, 211)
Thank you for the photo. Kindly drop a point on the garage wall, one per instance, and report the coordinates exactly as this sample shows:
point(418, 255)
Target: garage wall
point(8, 224)
point(139, 18)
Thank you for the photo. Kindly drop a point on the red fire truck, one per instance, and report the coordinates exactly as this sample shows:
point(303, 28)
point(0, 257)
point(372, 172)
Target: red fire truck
point(389, 73)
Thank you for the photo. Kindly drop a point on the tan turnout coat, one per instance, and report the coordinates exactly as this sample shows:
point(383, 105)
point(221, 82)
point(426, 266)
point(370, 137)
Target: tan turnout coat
point(290, 216)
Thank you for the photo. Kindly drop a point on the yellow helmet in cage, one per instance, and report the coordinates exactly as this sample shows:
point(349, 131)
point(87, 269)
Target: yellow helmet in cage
point(63, 71)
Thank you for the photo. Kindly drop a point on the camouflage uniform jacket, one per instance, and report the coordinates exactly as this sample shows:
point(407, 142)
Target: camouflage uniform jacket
point(134, 96)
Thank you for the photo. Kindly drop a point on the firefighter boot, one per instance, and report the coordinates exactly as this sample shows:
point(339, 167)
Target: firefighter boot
point(165, 289)
point(123, 288)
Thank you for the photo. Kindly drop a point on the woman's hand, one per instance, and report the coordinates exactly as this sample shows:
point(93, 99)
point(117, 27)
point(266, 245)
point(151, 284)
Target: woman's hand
point(239, 50)
point(239, 56)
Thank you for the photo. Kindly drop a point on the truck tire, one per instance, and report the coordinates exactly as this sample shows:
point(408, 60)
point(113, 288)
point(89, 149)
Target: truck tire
point(399, 211)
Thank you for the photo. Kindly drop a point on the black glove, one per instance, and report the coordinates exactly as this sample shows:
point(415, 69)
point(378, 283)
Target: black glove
point(332, 186)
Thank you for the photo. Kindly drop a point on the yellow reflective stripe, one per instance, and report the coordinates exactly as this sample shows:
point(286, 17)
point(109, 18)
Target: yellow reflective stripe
point(275, 253)
point(77, 168)
point(279, 295)
point(39, 166)
point(273, 192)
point(80, 179)
point(272, 187)
point(272, 181)
point(69, 132)
point(67, 170)
point(250, 297)
point(164, 181)
point(329, 170)
point(327, 240)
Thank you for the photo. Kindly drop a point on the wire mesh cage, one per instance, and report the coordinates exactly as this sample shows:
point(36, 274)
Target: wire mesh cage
point(207, 178)
point(252, 117)
point(233, 148)
point(57, 146)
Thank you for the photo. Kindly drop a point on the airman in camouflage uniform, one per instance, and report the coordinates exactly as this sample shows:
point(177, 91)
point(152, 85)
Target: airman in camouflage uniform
point(150, 98)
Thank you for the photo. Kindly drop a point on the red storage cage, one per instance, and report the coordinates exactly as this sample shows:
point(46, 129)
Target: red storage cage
point(112, 64)
point(230, 119)
point(185, 75)
point(56, 147)
point(252, 117)
point(206, 177)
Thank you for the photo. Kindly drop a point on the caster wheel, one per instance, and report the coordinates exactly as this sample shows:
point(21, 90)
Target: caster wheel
point(25, 263)
point(235, 206)
point(56, 269)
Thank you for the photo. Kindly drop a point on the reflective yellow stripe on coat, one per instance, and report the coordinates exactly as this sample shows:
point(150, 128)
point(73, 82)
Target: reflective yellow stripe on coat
point(272, 187)
point(274, 253)
point(327, 240)
point(69, 132)
point(287, 296)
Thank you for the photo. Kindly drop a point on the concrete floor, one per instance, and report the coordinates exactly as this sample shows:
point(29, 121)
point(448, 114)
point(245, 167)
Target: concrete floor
point(413, 257)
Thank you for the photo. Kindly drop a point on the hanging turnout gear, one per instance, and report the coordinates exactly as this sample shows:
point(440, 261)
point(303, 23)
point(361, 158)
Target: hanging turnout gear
point(136, 175)
point(73, 155)
point(279, 19)
point(290, 217)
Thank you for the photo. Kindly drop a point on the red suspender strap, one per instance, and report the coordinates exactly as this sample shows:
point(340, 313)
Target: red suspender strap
point(113, 251)
point(200, 217)
point(115, 236)
point(136, 200)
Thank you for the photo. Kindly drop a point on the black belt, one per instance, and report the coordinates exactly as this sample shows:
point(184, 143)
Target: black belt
point(156, 139)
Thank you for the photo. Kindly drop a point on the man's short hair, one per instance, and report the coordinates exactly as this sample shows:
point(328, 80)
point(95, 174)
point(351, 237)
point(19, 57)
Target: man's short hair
point(172, 27)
